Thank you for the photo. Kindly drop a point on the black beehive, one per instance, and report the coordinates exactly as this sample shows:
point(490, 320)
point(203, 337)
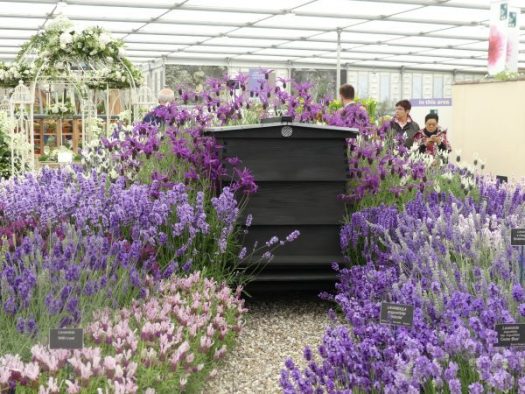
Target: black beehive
point(300, 169)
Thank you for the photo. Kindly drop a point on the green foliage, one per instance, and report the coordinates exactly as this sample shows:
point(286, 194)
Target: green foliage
point(507, 76)
point(371, 107)
point(335, 105)
point(5, 151)
point(5, 148)
point(369, 103)
point(249, 116)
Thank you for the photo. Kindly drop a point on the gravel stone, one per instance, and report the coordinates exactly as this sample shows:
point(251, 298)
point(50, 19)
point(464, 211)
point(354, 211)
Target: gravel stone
point(275, 329)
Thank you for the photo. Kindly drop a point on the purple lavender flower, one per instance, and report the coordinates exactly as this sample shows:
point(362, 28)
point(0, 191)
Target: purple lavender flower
point(293, 236)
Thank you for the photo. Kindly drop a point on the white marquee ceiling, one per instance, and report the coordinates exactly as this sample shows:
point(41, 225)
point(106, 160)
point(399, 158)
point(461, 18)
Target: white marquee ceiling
point(428, 34)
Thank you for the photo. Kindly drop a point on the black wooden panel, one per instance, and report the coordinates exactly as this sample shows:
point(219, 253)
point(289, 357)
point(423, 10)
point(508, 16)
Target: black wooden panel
point(299, 131)
point(290, 160)
point(297, 276)
point(314, 241)
point(300, 170)
point(299, 203)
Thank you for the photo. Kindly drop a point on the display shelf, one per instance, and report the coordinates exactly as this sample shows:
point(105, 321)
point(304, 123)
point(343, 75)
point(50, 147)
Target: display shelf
point(55, 132)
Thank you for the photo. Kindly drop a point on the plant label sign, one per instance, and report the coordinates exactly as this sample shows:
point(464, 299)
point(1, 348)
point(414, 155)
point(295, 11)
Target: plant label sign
point(66, 338)
point(397, 314)
point(511, 334)
point(517, 237)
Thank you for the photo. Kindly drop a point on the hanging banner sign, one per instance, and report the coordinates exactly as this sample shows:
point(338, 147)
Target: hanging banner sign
point(513, 39)
point(499, 15)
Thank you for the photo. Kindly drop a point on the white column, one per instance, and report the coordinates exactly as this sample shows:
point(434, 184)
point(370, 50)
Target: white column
point(338, 68)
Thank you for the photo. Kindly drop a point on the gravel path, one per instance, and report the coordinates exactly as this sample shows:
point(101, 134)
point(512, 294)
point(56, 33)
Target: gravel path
point(275, 329)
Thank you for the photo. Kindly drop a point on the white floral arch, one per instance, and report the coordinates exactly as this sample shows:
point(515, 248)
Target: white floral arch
point(83, 64)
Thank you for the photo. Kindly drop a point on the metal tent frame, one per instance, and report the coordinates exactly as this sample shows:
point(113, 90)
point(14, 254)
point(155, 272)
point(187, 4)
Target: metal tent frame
point(444, 35)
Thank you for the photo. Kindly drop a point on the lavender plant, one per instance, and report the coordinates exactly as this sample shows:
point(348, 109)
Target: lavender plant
point(74, 242)
point(451, 259)
point(167, 342)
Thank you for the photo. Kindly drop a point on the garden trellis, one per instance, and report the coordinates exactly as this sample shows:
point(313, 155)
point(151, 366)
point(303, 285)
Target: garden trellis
point(21, 131)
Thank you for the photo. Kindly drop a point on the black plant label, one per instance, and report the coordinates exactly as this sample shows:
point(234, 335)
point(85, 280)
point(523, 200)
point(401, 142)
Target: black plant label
point(502, 178)
point(511, 334)
point(517, 236)
point(66, 338)
point(397, 314)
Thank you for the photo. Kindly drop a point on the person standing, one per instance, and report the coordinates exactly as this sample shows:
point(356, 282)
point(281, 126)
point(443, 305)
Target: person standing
point(166, 97)
point(403, 123)
point(432, 138)
point(347, 94)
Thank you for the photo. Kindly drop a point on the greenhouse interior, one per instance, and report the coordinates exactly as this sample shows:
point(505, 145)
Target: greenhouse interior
point(288, 196)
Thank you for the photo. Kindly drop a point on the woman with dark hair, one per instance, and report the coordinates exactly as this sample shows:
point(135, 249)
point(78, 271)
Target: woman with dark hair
point(403, 123)
point(432, 138)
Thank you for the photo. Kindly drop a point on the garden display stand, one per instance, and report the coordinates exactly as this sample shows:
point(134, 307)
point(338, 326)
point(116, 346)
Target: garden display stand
point(300, 170)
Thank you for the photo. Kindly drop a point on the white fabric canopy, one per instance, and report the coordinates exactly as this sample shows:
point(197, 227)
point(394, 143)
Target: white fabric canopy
point(430, 34)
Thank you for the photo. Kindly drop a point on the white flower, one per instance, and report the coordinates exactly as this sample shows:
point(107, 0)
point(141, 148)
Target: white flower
point(104, 39)
point(122, 52)
point(60, 23)
point(65, 39)
point(54, 110)
point(447, 175)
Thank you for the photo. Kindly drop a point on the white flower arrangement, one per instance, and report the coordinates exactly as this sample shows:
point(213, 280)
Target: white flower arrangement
point(13, 142)
point(60, 109)
point(61, 45)
point(11, 74)
point(60, 23)
point(94, 128)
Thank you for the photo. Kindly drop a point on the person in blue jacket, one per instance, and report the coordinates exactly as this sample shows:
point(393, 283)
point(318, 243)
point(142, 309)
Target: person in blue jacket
point(166, 97)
